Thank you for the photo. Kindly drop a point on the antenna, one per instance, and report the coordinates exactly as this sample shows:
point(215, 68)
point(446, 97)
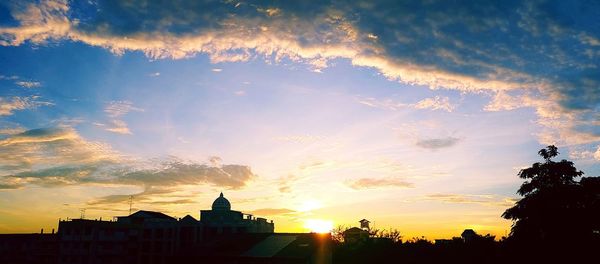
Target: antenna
point(82, 210)
point(130, 203)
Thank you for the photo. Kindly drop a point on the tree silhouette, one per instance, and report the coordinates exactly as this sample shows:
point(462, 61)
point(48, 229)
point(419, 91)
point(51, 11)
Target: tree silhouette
point(555, 207)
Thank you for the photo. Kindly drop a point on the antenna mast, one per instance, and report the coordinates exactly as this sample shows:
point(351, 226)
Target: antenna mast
point(82, 210)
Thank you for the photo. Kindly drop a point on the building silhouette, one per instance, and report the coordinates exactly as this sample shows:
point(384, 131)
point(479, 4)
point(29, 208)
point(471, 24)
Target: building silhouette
point(221, 235)
point(151, 237)
point(222, 220)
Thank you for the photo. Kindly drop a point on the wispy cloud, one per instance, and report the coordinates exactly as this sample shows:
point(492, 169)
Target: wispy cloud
point(384, 173)
point(12, 77)
point(21, 81)
point(285, 183)
point(272, 211)
point(376, 183)
point(116, 110)
point(28, 84)
point(437, 143)
point(59, 157)
point(150, 196)
point(9, 105)
point(488, 200)
point(585, 154)
point(11, 131)
point(433, 103)
point(7, 129)
point(558, 126)
point(301, 139)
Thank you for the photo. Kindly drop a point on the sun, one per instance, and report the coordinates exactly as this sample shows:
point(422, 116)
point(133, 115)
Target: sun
point(318, 225)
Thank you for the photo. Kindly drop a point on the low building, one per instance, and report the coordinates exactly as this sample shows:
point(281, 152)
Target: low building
point(222, 220)
point(151, 237)
point(221, 235)
point(355, 234)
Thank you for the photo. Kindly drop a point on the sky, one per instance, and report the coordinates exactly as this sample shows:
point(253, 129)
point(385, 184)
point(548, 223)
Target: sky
point(416, 115)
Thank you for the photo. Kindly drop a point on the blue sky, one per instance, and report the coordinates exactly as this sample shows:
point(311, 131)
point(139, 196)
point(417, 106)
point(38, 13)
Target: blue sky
point(417, 115)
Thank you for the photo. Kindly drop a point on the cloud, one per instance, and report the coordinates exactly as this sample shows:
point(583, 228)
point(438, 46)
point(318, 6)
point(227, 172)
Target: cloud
point(581, 154)
point(433, 103)
point(487, 200)
point(387, 104)
point(9, 105)
point(285, 183)
point(437, 143)
point(558, 125)
point(375, 183)
point(272, 211)
point(28, 84)
point(53, 151)
point(116, 110)
point(547, 48)
point(59, 157)
point(20, 82)
point(300, 139)
point(148, 196)
point(217, 70)
point(11, 130)
point(12, 77)
point(173, 202)
point(174, 173)
point(229, 33)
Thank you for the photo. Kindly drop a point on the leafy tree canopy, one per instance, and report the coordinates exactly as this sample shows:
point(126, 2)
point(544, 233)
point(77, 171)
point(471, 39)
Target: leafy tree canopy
point(555, 206)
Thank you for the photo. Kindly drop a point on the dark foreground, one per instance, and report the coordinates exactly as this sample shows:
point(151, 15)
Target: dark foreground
point(305, 248)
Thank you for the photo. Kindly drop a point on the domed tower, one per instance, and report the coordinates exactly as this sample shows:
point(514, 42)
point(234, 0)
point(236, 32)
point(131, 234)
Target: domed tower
point(222, 220)
point(221, 204)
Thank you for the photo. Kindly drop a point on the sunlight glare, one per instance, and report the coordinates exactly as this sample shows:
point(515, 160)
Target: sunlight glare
point(318, 225)
point(310, 205)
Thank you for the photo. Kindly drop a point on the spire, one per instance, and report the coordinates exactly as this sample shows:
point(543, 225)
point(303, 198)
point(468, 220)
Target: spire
point(221, 194)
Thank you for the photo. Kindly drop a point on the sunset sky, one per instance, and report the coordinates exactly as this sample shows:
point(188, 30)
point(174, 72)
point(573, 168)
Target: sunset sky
point(416, 115)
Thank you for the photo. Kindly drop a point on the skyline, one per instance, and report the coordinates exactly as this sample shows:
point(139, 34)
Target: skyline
point(417, 116)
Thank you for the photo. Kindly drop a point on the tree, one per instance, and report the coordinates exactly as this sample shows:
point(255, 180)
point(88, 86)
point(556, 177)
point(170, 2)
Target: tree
point(393, 235)
point(337, 234)
point(555, 206)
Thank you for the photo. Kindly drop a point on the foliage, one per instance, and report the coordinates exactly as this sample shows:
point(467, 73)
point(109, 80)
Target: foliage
point(337, 234)
point(393, 235)
point(555, 206)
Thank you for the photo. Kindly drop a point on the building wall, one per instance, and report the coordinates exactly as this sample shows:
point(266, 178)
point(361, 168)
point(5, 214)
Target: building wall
point(220, 222)
point(29, 248)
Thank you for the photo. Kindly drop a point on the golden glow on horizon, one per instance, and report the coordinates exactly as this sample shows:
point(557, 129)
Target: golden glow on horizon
point(319, 225)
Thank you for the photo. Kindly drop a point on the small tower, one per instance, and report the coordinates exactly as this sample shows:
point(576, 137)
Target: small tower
point(364, 224)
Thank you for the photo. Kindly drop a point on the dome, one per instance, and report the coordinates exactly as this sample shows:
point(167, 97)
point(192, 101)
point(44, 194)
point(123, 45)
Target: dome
point(221, 204)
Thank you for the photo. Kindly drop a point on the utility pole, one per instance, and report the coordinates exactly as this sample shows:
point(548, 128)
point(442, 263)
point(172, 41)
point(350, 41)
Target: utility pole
point(82, 210)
